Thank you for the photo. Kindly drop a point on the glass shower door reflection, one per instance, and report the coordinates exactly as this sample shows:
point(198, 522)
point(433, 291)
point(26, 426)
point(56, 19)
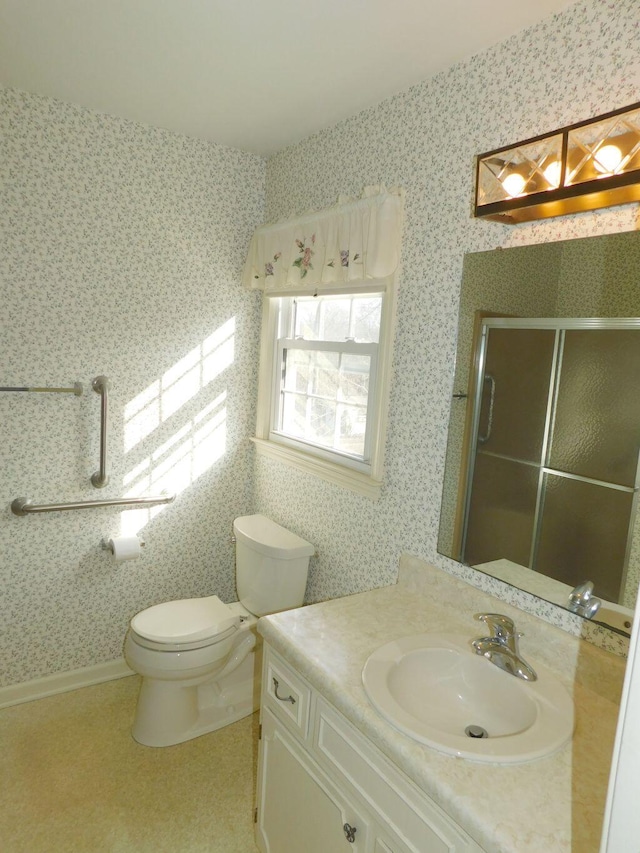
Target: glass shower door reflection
point(554, 459)
point(583, 533)
point(514, 400)
point(597, 423)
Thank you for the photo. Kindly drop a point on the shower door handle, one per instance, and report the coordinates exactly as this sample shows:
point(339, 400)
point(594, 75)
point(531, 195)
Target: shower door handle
point(492, 398)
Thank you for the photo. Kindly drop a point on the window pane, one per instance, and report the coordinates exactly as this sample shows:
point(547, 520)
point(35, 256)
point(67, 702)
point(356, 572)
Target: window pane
point(354, 378)
point(366, 319)
point(324, 373)
point(294, 415)
point(336, 318)
point(334, 325)
point(322, 422)
point(309, 419)
point(352, 424)
point(324, 398)
point(307, 319)
point(298, 369)
point(310, 372)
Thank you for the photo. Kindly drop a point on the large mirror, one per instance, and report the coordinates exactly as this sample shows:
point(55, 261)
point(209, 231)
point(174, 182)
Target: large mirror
point(542, 470)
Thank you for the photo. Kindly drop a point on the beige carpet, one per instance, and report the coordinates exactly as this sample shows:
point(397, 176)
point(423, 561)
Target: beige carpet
point(72, 779)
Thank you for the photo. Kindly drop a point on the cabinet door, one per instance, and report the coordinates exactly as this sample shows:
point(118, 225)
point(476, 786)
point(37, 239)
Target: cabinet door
point(299, 809)
point(386, 845)
point(404, 819)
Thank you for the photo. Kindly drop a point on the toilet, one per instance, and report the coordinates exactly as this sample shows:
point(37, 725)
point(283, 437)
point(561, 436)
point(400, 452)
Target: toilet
point(199, 657)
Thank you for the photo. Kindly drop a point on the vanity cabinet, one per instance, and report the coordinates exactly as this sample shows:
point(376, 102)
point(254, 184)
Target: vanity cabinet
point(324, 788)
point(300, 808)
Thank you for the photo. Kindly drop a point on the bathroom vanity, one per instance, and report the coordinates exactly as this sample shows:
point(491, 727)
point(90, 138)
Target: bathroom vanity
point(335, 775)
point(324, 787)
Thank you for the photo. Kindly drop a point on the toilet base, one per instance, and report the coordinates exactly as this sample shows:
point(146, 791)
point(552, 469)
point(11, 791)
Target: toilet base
point(169, 713)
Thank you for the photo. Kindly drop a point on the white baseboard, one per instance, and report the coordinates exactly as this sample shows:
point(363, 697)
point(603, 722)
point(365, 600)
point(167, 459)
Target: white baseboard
point(62, 682)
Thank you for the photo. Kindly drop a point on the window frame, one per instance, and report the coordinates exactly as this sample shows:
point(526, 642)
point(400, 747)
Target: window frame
point(364, 478)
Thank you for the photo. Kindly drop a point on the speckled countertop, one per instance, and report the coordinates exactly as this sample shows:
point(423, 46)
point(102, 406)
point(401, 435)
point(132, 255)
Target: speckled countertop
point(555, 804)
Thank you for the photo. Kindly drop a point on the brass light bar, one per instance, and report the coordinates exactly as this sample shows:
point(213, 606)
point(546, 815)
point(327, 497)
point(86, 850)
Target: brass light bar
point(581, 167)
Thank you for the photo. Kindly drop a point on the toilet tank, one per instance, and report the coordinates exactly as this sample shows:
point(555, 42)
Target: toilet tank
point(272, 564)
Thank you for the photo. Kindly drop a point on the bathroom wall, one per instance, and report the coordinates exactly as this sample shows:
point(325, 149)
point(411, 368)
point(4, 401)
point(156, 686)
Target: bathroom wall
point(121, 255)
point(578, 64)
point(122, 247)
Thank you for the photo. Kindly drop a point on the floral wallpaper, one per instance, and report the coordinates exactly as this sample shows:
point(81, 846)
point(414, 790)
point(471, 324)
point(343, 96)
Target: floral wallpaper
point(122, 249)
point(580, 63)
point(122, 255)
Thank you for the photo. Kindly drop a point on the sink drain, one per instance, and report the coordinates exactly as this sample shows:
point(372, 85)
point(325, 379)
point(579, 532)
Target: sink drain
point(476, 731)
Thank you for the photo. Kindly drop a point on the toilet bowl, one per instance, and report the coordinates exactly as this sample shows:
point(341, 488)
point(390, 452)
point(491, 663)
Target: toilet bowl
point(199, 658)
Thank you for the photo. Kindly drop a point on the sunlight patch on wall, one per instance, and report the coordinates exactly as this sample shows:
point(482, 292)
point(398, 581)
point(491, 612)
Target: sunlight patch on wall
point(186, 378)
point(178, 463)
point(196, 445)
point(142, 416)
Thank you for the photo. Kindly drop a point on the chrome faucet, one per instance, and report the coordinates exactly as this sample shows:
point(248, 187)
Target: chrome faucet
point(501, 648)
point(582, 602)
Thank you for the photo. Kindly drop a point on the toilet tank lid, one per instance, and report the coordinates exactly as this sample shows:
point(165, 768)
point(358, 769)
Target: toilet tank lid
point(265, 536)
point(185, 621)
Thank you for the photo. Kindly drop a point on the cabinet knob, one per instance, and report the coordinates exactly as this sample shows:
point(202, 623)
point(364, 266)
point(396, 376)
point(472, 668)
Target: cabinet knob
point(350, 832)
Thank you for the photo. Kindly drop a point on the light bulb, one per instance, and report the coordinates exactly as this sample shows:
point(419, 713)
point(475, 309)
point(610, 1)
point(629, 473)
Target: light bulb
point(513, 184)
point(552, 174)
point(607, 159)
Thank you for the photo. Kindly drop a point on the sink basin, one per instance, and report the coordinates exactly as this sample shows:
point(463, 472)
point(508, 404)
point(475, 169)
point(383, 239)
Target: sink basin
point(437, 690)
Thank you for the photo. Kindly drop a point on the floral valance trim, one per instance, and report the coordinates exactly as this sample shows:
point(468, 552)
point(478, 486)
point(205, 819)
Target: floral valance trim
point(355, 241)
point(304, 262)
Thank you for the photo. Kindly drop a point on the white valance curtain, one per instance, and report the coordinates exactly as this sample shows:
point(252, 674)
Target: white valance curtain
point(352, 243)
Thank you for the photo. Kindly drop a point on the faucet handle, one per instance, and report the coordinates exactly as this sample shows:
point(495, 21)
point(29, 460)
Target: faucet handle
point(501, 627)
point(582, 602)
point(582, 592)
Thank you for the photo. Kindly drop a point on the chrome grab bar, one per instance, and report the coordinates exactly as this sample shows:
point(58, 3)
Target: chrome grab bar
point(23, 506)
point(76, 389)
point(100, 385)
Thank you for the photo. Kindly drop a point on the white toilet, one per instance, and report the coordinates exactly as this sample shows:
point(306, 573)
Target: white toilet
point(197, 656)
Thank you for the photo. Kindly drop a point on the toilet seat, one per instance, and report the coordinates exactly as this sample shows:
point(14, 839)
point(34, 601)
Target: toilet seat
point(190, 623)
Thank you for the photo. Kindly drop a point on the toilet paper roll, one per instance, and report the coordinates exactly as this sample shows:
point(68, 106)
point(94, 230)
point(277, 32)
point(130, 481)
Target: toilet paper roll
point(125, 548)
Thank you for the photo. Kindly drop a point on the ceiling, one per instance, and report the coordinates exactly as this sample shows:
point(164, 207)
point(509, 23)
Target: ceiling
point(253, 74)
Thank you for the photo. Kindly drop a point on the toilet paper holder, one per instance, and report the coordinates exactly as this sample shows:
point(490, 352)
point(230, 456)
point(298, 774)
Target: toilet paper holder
point(105, 544)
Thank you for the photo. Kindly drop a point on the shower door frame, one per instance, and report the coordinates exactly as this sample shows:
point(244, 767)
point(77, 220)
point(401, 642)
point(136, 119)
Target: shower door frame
point(559, 325)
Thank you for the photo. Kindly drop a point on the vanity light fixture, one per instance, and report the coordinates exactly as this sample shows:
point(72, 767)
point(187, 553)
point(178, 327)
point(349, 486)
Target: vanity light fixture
point(584, 166)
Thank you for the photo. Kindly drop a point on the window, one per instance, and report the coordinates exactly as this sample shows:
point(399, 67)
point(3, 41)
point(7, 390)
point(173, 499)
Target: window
point(324, 383)
point(326, 358)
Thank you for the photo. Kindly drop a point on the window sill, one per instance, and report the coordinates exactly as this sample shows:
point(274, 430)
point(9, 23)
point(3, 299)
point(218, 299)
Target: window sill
point(330, 471)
